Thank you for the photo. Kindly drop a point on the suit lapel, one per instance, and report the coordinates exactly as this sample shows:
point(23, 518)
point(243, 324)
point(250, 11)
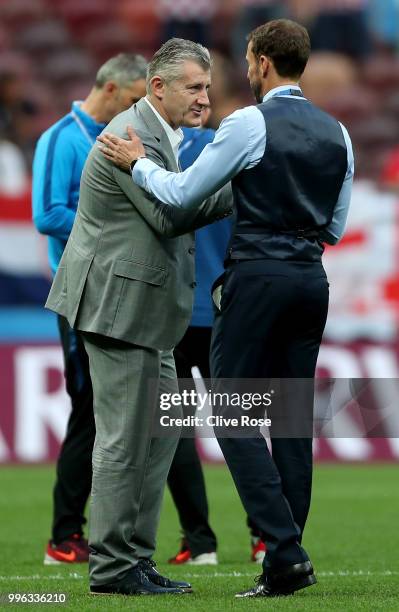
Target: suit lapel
point(156, 129)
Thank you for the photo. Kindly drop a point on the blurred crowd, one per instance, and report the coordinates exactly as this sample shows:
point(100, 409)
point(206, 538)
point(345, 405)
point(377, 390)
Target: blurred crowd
point(50, 50)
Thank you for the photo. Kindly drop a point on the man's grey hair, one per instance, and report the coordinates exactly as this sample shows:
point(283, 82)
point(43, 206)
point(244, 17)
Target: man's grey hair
point(123, 69)
point(168, 61)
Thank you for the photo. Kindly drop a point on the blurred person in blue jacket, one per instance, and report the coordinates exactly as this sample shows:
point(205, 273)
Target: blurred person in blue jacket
point(58, 163)
point(186, 479)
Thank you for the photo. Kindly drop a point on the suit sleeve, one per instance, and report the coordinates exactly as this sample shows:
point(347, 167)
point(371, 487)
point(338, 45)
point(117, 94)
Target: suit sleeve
point(170, 221)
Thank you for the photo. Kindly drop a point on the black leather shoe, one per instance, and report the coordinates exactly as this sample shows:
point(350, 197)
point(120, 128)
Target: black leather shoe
point(284, 581)
point(148, 566)
point(288, 579)
point(135, 582)
point(262, 589)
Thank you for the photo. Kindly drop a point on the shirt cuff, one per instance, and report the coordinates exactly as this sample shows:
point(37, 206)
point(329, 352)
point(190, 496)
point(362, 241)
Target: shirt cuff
point(141, 169)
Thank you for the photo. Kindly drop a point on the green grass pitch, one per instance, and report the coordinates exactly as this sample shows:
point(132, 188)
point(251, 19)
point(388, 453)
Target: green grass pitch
point(352, 537)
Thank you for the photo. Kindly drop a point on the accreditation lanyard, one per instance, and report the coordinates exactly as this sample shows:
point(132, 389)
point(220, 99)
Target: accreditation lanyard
point(83, 128)
point(296, 93)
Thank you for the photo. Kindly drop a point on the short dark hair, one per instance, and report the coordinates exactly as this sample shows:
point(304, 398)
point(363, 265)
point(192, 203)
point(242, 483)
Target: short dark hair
point(285, 42)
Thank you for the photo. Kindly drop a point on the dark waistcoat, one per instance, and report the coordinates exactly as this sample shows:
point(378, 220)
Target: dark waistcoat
point(285, 200)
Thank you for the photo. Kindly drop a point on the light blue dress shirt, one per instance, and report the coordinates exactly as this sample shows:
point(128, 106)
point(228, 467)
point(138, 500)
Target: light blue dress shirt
point(239, 144)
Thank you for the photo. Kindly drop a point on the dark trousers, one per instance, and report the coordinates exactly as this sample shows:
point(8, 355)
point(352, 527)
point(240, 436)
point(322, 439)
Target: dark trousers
point(74, 465)
point(186, 479)
point(271, 323)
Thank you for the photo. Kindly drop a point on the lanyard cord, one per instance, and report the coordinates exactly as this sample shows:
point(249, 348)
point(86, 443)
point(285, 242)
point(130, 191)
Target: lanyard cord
point(297, 93)
point(83, 128)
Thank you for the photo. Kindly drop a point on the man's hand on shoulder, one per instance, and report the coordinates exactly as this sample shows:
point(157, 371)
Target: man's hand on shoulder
point(120, 151)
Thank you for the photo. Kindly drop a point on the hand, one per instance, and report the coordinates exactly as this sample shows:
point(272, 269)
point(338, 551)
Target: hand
point(120, 151)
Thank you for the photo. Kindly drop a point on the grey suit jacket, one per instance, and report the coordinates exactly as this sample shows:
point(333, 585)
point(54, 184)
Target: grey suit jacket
point(128, 268)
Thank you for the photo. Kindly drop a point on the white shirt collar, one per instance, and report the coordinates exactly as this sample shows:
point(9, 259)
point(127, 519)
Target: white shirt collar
point(174, 136)
point(275, 91)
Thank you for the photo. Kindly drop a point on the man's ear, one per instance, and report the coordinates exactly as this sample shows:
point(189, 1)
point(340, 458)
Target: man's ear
point(110, 87)
point(264, 64)
point(157, 87)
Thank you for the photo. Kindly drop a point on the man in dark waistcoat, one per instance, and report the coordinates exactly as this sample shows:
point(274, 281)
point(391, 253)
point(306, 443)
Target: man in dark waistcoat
point(291, 166)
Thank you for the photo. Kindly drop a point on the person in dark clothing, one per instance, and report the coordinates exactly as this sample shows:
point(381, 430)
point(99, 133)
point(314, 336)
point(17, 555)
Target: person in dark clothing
point(186, 480)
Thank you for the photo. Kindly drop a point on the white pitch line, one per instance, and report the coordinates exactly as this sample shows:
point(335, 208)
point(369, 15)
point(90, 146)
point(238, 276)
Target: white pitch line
point(321, 574)
point(75, 576)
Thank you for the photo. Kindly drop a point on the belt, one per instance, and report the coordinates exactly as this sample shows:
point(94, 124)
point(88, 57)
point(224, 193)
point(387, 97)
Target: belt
point(298, 232)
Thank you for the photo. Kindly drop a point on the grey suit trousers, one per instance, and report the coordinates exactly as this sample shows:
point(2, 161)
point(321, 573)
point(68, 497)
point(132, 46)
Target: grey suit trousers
point(130, 467)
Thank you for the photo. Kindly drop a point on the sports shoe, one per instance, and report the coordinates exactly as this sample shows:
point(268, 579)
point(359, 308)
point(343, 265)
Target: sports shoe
point(184, 556)
point(258, 550)
point(204, 559)
point(73, 550)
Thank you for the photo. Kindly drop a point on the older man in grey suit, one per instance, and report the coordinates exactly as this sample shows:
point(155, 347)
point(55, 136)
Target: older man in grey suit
point(126, 281)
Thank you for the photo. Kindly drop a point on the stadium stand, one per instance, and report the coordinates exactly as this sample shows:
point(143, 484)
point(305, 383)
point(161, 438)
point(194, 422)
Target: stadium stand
point(49, 51)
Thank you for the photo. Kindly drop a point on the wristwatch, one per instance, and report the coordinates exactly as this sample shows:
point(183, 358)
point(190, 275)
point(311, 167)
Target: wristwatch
point(134, 161)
